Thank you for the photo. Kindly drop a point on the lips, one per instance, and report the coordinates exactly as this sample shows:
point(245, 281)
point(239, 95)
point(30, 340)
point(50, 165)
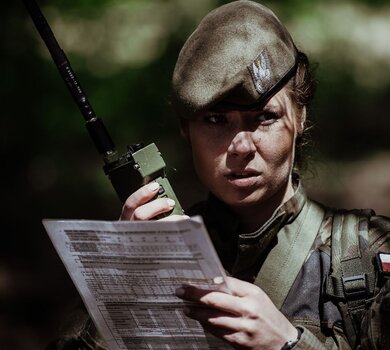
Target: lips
point(243, 173)
point(243, 178)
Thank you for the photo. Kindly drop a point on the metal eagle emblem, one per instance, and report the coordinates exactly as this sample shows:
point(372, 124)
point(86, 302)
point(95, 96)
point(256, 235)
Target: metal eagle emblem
point(260, 72)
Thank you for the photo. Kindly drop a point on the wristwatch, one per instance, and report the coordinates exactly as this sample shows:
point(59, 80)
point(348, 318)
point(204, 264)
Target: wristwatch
point(291, 343)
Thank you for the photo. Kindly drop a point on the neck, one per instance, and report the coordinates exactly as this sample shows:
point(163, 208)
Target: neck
point(254, 216)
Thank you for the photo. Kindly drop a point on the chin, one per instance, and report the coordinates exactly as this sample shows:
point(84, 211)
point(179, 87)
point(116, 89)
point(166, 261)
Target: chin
point(242, 200)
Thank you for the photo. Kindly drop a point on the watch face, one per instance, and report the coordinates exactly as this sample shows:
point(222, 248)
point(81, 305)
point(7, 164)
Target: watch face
point(289, 345)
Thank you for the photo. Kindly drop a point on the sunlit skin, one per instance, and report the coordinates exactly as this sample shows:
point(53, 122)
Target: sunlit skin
point(245, 317)
point(245, 158)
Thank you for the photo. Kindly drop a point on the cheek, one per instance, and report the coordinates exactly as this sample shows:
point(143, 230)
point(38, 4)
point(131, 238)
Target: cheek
point(199, 159)
point(277, 149)
point(204, 153)
point(209, 157)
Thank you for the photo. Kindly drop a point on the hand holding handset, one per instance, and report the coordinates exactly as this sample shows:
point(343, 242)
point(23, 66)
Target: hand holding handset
point(139, 165)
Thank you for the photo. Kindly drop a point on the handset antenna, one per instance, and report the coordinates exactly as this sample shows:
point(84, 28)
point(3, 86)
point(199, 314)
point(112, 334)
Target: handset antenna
point(128, 172)
point(95, 126)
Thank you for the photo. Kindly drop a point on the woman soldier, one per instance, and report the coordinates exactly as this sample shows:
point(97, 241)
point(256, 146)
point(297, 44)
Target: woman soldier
point(241, 90)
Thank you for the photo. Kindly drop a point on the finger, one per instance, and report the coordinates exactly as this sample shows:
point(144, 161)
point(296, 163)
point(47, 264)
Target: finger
point(175, 218)
point(194, 293)
point(242, 306)
point(241, 288)
point(151, 209)
point(235, 339)
point(212, 317)
point(138, 198)
point(191, 293)
point(208, 298)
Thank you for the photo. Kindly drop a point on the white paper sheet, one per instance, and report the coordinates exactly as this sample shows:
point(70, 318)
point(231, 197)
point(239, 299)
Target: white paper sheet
point(127, 273)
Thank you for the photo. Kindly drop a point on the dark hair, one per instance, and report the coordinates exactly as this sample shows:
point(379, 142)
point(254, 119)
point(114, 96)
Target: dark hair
point(301, 88)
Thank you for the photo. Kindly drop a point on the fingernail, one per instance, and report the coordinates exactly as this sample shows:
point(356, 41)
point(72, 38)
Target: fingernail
point(154, 186)
point(171, 202)
point(179, 292)
point(218, 280)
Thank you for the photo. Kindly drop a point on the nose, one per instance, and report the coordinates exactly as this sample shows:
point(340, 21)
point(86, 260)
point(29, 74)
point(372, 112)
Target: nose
point(242, 144)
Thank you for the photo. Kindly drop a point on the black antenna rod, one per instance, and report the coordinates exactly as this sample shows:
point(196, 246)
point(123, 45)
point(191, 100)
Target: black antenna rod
point(95, 126)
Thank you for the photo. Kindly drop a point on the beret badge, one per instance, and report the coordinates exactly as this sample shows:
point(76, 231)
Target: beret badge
point(260, 72)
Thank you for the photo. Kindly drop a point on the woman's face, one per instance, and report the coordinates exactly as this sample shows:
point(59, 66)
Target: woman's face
point(245, 157)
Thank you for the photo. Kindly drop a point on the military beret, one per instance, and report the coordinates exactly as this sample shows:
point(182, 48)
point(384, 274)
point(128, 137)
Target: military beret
point(240, 54)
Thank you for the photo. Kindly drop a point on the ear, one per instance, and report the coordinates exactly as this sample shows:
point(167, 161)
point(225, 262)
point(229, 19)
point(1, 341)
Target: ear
point(302, 121)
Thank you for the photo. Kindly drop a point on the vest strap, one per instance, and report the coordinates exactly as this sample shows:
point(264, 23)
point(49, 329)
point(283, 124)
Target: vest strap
point(285, 260)
point(352, 277)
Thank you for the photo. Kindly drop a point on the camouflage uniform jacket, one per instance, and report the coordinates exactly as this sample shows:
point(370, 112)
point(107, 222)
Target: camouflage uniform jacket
point(306, 305)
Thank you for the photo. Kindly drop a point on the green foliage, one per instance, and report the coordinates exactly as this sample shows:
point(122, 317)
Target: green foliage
point(133, 98)
point(50, 167)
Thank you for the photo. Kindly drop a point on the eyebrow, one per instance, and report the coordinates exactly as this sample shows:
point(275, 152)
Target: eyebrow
point(273, 108)
point(226, 108)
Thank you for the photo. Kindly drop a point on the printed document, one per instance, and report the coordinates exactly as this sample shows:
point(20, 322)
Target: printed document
point(127, 273)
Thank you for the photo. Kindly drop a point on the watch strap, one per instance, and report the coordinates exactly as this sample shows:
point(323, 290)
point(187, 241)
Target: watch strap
point(291, 343)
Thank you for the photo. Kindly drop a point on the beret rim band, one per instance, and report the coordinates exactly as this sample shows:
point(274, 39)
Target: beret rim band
point(263, 99)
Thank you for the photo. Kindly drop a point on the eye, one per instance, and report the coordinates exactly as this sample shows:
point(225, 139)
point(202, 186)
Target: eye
point(267, 118)
point(215, 119)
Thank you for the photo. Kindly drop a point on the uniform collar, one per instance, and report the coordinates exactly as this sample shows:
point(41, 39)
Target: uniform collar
point(231, 245)
point(217, 214)
point(283, 215)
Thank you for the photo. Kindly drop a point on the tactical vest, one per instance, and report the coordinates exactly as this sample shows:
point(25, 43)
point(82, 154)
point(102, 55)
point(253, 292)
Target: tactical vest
point(351, 280)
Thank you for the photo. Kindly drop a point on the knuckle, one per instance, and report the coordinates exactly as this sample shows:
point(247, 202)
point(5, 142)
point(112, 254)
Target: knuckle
point(250, 310)
point(251, 313)
point(129, 204)
point(128, 208)
point(249, 327)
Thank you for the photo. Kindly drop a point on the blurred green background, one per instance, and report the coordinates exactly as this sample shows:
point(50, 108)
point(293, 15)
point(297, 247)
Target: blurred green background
point(124, 53)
